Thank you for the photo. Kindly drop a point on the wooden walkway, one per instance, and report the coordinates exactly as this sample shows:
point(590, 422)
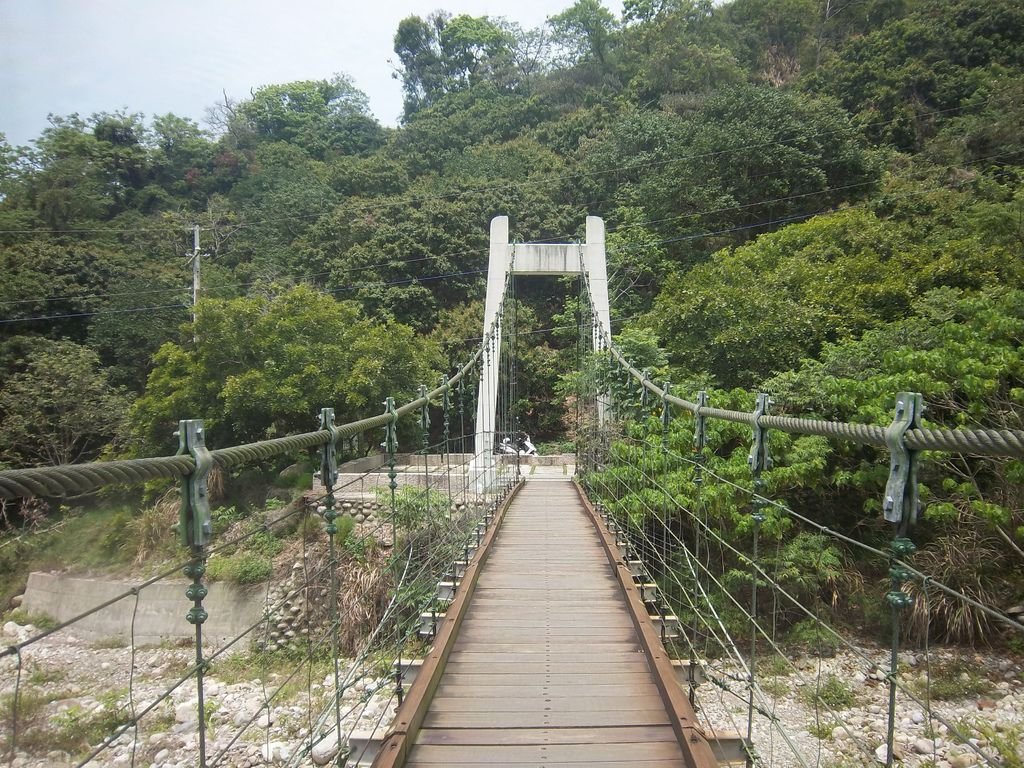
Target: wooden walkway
point(547, 668)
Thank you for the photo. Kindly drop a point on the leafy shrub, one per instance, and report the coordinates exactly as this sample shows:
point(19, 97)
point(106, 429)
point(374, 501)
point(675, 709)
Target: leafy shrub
point(77, 728)
point(264, 543)
point(832, 693)
point(414, 506)
point(240, 568)
point(821, 730)
point(949, 680)
point(812, 636)
point(223, 518)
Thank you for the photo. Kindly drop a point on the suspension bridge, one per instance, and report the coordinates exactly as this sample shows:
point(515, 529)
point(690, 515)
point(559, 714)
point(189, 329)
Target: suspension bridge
point(494, 611)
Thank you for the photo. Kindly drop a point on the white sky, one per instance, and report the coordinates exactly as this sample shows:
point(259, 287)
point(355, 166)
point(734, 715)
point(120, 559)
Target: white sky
point(159, 56)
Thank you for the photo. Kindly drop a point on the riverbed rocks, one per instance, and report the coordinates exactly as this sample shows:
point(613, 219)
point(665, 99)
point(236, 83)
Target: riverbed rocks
point(73, 680)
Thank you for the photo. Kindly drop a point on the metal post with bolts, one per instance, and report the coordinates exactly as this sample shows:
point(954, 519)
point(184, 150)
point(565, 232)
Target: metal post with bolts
point(900, 507)
point(194, 531)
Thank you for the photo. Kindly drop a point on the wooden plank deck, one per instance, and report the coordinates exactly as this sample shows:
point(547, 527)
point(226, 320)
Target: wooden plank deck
point(547, 668)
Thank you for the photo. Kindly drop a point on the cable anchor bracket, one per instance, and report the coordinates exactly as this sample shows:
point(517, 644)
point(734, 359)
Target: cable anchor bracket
point(329, 450)
point(194, 526)
point(902, 505)
point(760, 458)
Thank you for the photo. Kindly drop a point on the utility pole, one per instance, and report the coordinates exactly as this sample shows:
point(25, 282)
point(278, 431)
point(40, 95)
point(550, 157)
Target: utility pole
point(195, 276)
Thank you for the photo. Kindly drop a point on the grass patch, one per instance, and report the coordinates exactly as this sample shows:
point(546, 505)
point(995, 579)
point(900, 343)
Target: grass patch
point(833, 693)
point(79, 541)
point(152, 530)
point(42, 676)
point(41, 621)
point(774, 666)
point(29, 704)
point(35, 731)
point(1006, 739)
point(821, 730)
point(809, 635)
point(109, 643)
point(251, 562)
point(951, 680)
point(240, 568)
point(273, 667)
point(77, 728)
point(775, 688)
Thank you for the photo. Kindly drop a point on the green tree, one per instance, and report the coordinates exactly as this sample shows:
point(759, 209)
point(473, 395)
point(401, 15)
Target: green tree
point(770, 35)
point(323, 117)
point(442, 54)
point(668, 54)
point(586, 32)
point(907, 76)
point(761, 308)
point(750, 159)
point(264, 366)
point(961, 351)
point(58, 406)
point(182, 158)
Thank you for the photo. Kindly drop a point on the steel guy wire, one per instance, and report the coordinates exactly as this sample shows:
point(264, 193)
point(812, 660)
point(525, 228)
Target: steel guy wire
point(484, 250)
point(16, 648)
point(991, 613)
point(429, 278)
point(729, 646)
point(136, 720)
point(669, 571)
point(796, 603)
point(80, 478)
point(762, 707)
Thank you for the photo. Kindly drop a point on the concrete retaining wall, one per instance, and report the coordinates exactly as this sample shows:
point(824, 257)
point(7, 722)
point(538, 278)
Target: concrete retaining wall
point(161, 609)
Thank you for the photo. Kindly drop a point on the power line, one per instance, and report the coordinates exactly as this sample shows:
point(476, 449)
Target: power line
point(430, 278)
point(91, 314)
point(483, 250)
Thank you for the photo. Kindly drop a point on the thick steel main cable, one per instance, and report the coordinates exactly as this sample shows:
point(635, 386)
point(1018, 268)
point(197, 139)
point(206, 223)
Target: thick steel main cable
point(78, 479)
point(974, 442)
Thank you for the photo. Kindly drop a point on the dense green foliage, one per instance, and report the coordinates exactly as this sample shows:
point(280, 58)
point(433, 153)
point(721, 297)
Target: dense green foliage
point(819, 199)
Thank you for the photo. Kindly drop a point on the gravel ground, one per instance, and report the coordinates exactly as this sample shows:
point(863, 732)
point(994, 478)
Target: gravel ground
point(72, 688)
point(985, 707)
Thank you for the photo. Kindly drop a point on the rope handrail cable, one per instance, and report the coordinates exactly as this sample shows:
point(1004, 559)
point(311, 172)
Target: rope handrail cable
point(76, 479)
point(976, 442)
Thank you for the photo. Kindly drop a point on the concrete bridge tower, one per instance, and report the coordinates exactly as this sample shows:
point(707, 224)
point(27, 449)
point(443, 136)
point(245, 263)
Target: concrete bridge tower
point(586, 258)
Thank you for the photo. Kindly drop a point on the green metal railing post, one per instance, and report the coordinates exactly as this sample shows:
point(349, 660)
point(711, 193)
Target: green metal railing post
point(425, 450)
point(446, 407)
point(700, 439)
point(195, 530)
point(900, 507)
point(462, 438)
point(666, 422)
point(390, 449)
point(758, 460)
point(329, 478)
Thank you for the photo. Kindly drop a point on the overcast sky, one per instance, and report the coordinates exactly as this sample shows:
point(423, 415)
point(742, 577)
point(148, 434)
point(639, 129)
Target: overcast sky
point(159, 56)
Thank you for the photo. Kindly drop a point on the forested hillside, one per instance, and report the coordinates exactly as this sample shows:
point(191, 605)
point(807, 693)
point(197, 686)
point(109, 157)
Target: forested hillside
point(818, 197)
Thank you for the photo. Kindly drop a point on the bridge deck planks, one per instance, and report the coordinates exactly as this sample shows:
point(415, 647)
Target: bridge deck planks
point(547, 669)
